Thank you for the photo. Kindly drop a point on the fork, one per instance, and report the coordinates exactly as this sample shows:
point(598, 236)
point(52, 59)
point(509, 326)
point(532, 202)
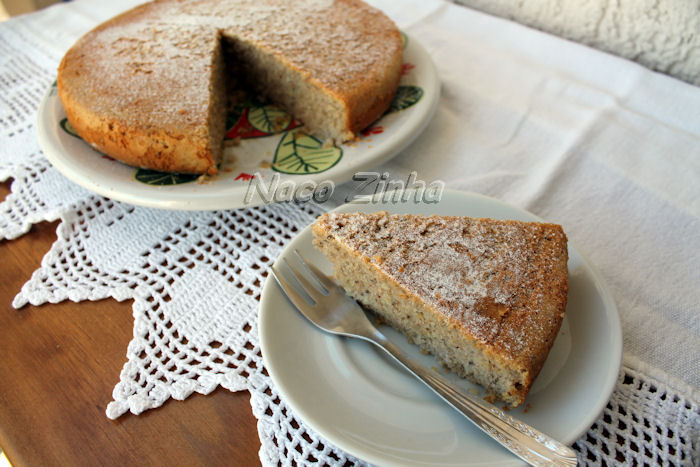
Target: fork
point(327, 306)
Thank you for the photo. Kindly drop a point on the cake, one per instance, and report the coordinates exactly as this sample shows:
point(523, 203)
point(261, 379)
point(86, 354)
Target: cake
point(485, 297)
point(151, 86)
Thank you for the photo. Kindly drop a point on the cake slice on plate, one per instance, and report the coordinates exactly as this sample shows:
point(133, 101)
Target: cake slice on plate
point(486, 297)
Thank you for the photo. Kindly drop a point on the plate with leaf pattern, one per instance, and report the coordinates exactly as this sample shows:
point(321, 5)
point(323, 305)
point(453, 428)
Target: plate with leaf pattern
point(268, 156)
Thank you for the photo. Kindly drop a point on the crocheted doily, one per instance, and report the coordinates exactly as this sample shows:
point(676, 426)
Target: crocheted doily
point(195, 341)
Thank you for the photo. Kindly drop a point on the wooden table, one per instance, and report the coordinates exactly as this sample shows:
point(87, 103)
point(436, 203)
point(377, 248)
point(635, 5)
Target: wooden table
point(58, 366)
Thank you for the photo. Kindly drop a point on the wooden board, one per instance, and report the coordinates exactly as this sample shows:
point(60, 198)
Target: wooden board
point(58, 366)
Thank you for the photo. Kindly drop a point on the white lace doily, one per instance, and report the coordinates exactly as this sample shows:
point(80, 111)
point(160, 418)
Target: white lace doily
point(207, 337)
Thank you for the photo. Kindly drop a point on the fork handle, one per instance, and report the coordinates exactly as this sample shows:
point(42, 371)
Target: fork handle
point(524, 441)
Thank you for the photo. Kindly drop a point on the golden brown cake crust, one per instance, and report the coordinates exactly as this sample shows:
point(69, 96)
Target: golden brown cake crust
point(139, 86)
point(503, 283)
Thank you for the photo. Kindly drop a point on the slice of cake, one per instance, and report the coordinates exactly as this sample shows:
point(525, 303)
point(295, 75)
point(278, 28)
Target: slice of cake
point(485, 297)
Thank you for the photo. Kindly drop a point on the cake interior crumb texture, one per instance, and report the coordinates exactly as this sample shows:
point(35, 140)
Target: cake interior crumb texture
point(149, 87)
point(485, 297)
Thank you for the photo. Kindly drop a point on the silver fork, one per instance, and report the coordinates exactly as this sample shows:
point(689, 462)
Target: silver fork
point(327, 306)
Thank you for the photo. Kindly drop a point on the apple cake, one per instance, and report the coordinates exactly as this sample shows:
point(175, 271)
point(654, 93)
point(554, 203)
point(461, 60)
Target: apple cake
point(151, 86)
point(486, 297)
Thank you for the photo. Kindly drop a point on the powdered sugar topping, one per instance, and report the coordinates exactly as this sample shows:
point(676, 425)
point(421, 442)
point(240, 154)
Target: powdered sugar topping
point(482, 274)
point(158, 58)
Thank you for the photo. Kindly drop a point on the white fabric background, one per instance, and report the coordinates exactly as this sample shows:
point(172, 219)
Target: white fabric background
point(598, 144)
point(659, 34)
point(603, 146)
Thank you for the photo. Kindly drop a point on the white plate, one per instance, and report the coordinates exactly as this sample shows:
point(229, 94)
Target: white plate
point(393, 132)
point(358, 399)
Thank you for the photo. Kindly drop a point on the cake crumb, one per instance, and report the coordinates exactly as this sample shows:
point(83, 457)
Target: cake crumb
point(378, 320)
point(204, 178)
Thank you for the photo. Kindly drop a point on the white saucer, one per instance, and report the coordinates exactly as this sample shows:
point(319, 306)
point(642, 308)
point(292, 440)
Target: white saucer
point(359, 400)
point(389, 135)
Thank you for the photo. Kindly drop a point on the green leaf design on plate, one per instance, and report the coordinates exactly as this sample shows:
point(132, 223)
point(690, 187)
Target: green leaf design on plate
point(299, 153)
point(156, 178)
point(68, 128)
point(405, 97)
point(269, 119)
point(244, 100)
point(404, 39)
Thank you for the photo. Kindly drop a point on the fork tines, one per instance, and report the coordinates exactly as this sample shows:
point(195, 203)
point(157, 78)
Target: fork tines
point(300, 282)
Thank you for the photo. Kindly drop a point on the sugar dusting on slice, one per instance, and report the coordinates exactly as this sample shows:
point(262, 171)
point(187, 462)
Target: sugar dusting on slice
point(488, 276)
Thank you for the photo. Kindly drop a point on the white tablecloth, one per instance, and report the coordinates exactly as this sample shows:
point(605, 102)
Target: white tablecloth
point(598, 144)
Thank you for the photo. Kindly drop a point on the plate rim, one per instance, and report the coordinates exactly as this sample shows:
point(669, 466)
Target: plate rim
point(610, 311)
point(232, 197)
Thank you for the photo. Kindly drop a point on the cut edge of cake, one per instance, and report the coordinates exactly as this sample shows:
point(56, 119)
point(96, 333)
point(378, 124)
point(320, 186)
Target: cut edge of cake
point(504, 367)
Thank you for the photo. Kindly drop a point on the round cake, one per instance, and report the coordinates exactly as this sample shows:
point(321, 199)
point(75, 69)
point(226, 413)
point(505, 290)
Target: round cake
point(151, 86)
